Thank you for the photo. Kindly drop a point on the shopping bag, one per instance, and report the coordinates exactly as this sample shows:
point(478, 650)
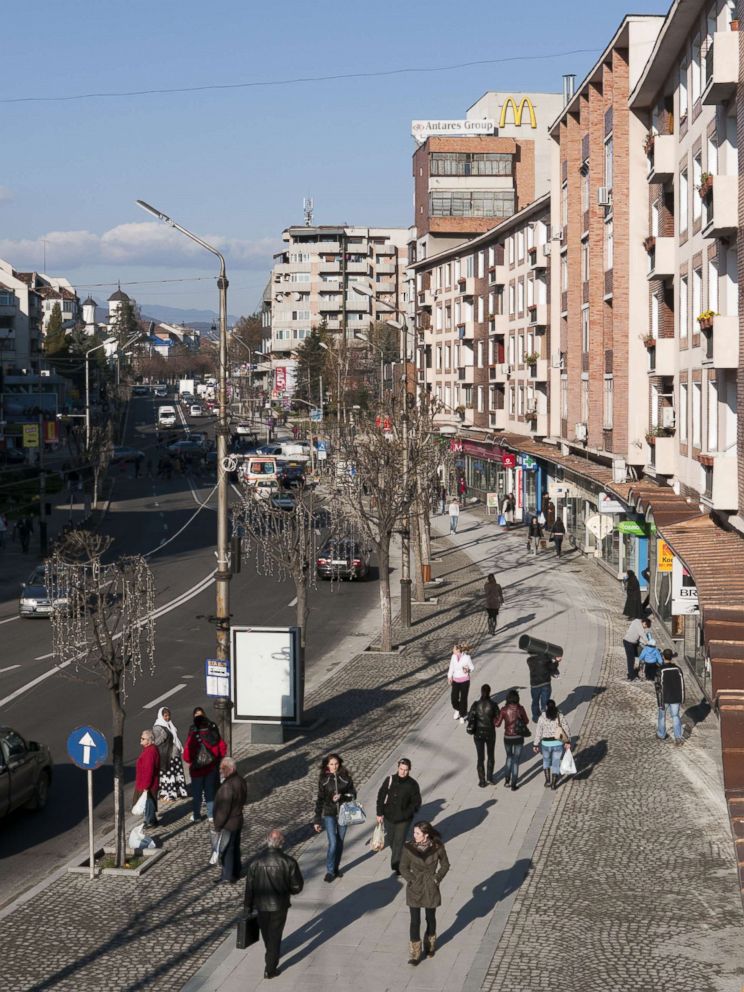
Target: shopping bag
point(351, 812)
point(568, 765)
point(139, 807)
point(247, 932)
point(378, 838)
point(502, 520)
point(138, 840)
point(218, 840)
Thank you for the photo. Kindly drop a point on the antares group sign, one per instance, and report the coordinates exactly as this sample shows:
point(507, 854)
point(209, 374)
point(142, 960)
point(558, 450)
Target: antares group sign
point(421, 130)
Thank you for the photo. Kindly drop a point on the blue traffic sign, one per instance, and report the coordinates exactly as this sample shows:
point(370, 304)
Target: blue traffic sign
point(316, 415)
point(87, 747)
point(321, 445)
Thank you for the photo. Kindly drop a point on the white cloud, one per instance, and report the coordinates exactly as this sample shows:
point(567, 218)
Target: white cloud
point(145, 243)
point(6, 194)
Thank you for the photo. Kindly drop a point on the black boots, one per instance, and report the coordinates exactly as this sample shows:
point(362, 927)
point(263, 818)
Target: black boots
point(554, 781)
point(546, 772)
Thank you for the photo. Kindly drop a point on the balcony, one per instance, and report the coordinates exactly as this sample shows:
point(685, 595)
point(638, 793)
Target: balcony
point(330, 304)
point(334, 266)
point(664, 455)
point(538, 423)
point(385, 287)
point(537, 314)
point(8, 309)
point(661, 259)
point(386, 249)
point(662, 357)
point(466, 375)
point(497, 275)
point(662, 159)
point(466, 331)
point(725, 489)
point(539, 370)
point(357, 302)
point(721, 68)
point(721, 343)
point(425, 299)
point(466, 285)
point(388, 268)
point(497, 419)
point(723, 209)
point(358, 268)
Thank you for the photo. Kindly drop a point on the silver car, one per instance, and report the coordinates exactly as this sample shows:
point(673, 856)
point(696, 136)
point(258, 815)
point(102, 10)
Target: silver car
point(35, 600)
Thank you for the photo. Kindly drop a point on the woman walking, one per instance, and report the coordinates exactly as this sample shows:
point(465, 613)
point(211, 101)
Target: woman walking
point(633, 608)
point(557, 533)
point(203, 752)
point(172, 779)
point(553, 737)
point(534, 535)
point(482, 718)
point(514, 717)
point(460, 669)
point(423, 866)
point(334, 787)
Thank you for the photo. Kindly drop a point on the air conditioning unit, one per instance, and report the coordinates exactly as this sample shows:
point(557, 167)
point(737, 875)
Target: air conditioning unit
point(667, 416)
point(546, 250)
point(604, 196)
point(558, 236)
point(581, 432)
point(557, 360)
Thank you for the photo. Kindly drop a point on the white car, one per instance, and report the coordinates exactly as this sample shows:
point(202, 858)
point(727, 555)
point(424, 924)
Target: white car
point(166, 416)
point(196, 410)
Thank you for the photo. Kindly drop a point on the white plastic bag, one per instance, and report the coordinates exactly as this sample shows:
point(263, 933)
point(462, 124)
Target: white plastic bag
point(568, 765)
point(218, 840)
point(139, 807)
point(139, 840)
point(378, 838)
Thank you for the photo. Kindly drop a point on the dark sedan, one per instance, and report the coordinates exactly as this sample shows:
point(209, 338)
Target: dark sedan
point(25, 772)
point(121, 454)
point(342, 558)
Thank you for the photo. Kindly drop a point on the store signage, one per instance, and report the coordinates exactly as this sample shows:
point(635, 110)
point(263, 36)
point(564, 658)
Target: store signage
point(599, 526)
point(421, 130)
point(664, 556)
point(280, 378)
point(527, 462)
point(684, 591)
point(517, 111)
point(632, 527)
point(562, 490)
point(509, 460)
point(492, 501)
point(608, 504)
point(30, 435)
point(488, 452)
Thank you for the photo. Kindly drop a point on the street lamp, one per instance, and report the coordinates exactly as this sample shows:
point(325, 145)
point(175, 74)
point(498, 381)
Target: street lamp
point(365, 337)
point(222, 704)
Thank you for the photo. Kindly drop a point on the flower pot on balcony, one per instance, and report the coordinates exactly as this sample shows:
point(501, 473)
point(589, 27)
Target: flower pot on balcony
point(649, 243)
point(705, 320)
point(651, 439)
point(706, 187)
point(649, 342)
point(648, 144)
point(734, 24)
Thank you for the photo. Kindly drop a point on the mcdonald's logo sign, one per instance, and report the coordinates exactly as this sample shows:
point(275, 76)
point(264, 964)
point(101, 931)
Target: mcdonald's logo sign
point(517, 111)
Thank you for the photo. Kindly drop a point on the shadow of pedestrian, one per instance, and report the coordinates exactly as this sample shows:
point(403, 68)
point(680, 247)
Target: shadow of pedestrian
point(464, 820)
point(580, 694)
point(696, 714)
point(485, 896)
point(588, 758)
point(515, 623)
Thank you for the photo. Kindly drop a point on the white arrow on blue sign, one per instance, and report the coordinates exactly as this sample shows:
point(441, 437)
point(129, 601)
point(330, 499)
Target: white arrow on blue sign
point(87, 747)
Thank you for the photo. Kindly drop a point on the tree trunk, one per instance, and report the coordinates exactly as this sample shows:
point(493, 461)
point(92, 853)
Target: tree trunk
point(419, 590)
point(117, 723)
point(386, 612)
point(301, 610)
point(95, 487)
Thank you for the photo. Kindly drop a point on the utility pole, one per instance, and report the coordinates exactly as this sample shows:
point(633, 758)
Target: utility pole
point(405, 573)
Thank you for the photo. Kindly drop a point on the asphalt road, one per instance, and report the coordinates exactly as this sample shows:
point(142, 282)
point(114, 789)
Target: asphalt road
point(45, 704)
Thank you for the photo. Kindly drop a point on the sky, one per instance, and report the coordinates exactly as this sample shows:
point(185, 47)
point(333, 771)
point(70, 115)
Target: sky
point(233, 164)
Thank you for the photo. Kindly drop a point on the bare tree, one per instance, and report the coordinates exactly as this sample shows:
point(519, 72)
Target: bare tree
point(103, 630)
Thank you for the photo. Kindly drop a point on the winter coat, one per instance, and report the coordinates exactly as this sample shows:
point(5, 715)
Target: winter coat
point(483, 715)
point(548, 730)
point(509, 716)
point(271, 880)
point(542, 668)
point(558, 529)
point(494, 595)
point(231, 797)
point(328, 786)
point(670, 685)
point(535, 529)
point(423, 872)
point(460, 668)
point(210, 736)
point(398, 798)
point(633, 607)
point(163, 741)
point(147, 771)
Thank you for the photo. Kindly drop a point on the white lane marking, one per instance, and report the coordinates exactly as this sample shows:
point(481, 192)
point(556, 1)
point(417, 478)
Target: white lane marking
point(36, 681)
point(9, 668)
point(293, 603)
point(171, 692)
point(10, 619)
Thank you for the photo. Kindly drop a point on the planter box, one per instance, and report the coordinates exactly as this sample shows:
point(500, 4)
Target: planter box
point(151, 855)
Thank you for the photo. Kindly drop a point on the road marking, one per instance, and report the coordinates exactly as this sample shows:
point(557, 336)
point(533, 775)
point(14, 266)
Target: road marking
point(293, 603)
point(34, 682)
point(171, 692)
point(10, 619)
point(9, 668)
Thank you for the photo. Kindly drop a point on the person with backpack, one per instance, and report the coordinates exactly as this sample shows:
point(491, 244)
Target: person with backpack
point(482, 718)
point(398, 800)
point(494, 601)
point(514, 717)
point(670, 694)
point(203, 752)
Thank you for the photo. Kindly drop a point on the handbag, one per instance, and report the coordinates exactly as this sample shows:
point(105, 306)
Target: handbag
point(561, 734)
point(378, 837)
point(502, 520)
point(247, 932)
point(204, 756)
point(470, 725)
point(350, 813)
point(522, 729)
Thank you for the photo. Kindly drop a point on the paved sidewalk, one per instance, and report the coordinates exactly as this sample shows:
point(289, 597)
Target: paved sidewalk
point(623, 879)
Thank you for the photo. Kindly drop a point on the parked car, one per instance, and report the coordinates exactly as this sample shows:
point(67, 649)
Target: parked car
point(12, 456)
point(122, 454)
point(25, 772)
point(342, 558)
point(195, 410)
point(269, 449)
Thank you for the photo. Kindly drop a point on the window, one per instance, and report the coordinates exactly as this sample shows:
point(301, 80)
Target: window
point(472, 203)
point(470, 164)
point(697, 293)
point(438, 358)
point(683, 198)
point(520, 401)
point(654, 405)
point(511, 299)
point(683, 401)
point(530, 292)
point(712, 154)
point(491, 256)
point(684, 309)
point(564, 204)
point(697, 407)
point(655, 315)
point(585, 187)
point(299, 256)
point(564, 397)
point(697, 178)
point(511, 401)
point(7, 299)
point(564, 273)
point(438, 315)
point(481, 264)
point(305, 277)
point(510, 246)
point(584, 401)
point(448, 356)
point(300, 315)
point(696, 78)
point(712, 415)
point(608, 162)
point(608, 398)
point(530, 236)
point(520, 245)
point(520, 296)
point(481, 399)
point(481, 353)
point(469, 266)
point(481, 308)
point(655, 218)
point(585, 329)
point(713, 285)
point(585, 260)
point(682, 93)
point(512, 349)
point(520, 349)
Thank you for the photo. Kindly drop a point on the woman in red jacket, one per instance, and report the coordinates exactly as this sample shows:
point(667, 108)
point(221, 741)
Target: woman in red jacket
point(203, 752)
point(514, 717)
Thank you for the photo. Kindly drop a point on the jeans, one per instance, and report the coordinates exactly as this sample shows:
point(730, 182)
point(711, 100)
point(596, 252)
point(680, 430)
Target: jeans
point(674, 712)
point(443, 506)
point(431, 923)
point(151, 811)
point(335, 834)
point(540, 697)
point(484, 745)
point(395, 834)
point(453, 523)
point(513, 748)
point(271, 925)
point(204, 785)
point(558, 541)
point(551, 755)
point(630, 657)
point(534, 543)
point(231, 858)
point(493, 620)
point(459, 697)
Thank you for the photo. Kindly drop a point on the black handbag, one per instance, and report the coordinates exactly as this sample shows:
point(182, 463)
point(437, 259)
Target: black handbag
point(247, 932)
point(522, 729)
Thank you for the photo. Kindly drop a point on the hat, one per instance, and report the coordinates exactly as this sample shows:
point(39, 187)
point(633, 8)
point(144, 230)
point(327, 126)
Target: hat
point(405, 761)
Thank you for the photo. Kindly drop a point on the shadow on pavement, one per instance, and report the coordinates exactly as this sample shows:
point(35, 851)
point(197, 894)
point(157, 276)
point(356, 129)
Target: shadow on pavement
point(465, 820)
point(486, 894)
point(588, 758)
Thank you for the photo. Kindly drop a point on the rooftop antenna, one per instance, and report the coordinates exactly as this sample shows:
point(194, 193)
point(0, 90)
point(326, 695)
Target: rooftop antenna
point(307, 208)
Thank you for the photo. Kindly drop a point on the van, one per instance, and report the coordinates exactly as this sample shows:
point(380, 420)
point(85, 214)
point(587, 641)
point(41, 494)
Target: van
point(257, 468)
point(166, 416)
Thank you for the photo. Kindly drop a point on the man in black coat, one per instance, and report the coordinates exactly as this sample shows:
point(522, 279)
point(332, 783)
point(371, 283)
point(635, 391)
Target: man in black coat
point(398, 800)
point(670, 692)
point(542, 669)
point(271, 880)
point(229, 801)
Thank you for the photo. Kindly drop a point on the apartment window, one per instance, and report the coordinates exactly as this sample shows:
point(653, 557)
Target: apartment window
point(300, 315)
point(564, 204)
point(696, 78)
point(512, 349)
point(712, 415)
point(682, 93)
point(585, 329)
point(608, 162)
point(491, 256)
point(458, 312)
point(7, 299)
point(564, 397)
point(530, 292)
point(683, 402)
point(697, 408)
point(520, 246)
point(655, 218)
point(510, 246)
point(448, 356)
point(564, 273)
point(684, 309)
point(730, 11)
point(585, 260)
point(520, 401)
point(438, 318)
point(448, 274)
point(470, 164)
point(712, 157)
point(585, 401)
point(469, 266)
point(697, 178)
point(511, 299)
point(520, 296)
point(481, 264)
point(472, 203)
point(511, 401)
point(655, 315)
point(683, 198)
point(438, 358)
point(608, 400)
point(697, 293)
point(585, 187)
point(299, 256)
point(481, 308)
point(713, 285)
point(530, 236)
point(481, 399)
point(481, 353)
point(448, 317)
point(304, 277)
point(520, 349)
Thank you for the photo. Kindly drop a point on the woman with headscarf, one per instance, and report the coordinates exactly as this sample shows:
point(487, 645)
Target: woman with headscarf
point(165, 737)
point(633, 606)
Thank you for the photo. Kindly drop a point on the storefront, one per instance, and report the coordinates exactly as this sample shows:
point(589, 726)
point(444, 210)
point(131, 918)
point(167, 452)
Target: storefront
point(487, 468)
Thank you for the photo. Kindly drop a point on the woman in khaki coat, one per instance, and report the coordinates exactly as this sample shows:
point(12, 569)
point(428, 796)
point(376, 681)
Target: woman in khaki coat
point(423, 866)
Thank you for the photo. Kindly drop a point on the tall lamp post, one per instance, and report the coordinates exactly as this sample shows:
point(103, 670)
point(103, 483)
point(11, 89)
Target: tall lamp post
point(222, 704)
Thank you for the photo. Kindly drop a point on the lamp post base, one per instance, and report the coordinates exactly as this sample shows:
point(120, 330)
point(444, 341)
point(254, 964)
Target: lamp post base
point(405, 602)
point(223, 707)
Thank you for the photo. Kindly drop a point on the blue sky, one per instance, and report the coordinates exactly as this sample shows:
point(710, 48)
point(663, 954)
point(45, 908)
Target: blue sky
point(234, 164)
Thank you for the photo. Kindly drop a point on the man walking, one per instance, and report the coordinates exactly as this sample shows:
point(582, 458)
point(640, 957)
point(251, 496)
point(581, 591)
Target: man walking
point(494, 601)
point(670, 692)
point(231, 797)
point(635, 635)
point(398, 800)
point(147, 777)
point(272, 879)
point(454, 515)
point(542, 669)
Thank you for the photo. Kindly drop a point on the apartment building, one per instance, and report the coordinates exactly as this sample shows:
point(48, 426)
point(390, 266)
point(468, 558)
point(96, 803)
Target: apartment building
point(686, 100)
point(20, 321)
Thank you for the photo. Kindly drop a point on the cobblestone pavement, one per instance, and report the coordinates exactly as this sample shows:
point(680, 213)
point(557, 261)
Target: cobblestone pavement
point(153, 933)
point(634, 883)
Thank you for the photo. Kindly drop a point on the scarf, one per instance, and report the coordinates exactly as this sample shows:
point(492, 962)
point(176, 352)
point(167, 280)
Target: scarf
point(169, 725)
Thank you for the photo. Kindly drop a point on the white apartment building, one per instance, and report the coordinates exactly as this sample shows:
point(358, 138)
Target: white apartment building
point(20, 321)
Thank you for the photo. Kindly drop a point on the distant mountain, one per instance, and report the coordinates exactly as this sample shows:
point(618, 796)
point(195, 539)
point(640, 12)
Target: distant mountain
point(174, 315)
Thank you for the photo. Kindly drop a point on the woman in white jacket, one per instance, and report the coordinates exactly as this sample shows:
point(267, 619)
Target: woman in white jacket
point(460, 669)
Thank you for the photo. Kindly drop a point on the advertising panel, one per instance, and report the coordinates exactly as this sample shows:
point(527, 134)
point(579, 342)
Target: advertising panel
point(684, 591)
point(664, 556)
point(267, 675)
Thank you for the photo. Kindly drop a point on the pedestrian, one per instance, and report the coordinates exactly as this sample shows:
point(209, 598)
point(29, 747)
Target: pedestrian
point(552, 737)
point(511, 509)
point(203, 751)
point(549, 508)
point(670, 694)
point(534, 535)
point(557, 533)
point(482, 720)
point(543, 667)
point(494, 601)
point(633, 607)
point(229, 801)
point(514, 718)
point(443, 500)
point(335, 786)
point(650, 657)
point(271, 880)
point(398, 800)
point(454, 515)
point(636, 636)
point(172, 779)
point(147, 772)
point(646, 575)
point(458, 675)
point(423, 865)
point(462, 489)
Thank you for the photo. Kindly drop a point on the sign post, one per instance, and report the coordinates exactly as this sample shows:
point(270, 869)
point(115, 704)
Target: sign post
point(87, 748)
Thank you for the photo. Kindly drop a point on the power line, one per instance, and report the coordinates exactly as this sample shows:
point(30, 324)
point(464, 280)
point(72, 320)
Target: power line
point(143, 282)
point(406, 70)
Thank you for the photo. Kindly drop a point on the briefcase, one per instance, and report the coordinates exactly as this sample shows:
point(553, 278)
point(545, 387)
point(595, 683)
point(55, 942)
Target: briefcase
point(247, 932)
